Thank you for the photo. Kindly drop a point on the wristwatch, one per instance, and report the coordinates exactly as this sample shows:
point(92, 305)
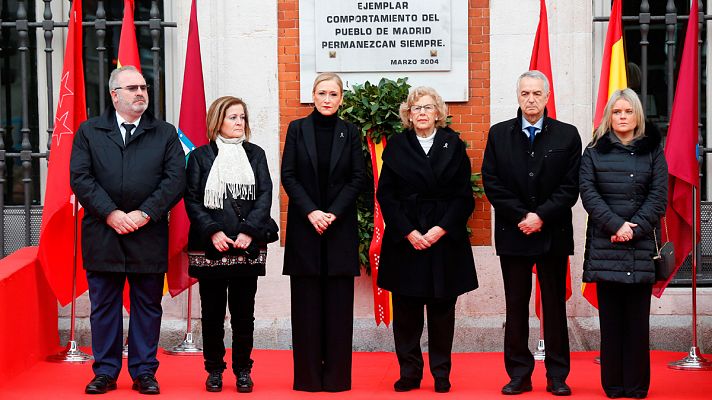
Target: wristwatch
point(144, 215)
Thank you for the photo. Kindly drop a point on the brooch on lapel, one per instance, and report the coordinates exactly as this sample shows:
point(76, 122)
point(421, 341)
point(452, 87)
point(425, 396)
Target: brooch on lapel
point(445, 145)
point(342, 135)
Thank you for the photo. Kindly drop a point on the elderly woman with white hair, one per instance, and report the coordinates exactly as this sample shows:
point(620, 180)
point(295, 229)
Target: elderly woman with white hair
point(426, 259)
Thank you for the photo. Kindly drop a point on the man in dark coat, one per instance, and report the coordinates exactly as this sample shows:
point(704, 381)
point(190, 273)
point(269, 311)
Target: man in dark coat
point(127, 171)
point(530, 175)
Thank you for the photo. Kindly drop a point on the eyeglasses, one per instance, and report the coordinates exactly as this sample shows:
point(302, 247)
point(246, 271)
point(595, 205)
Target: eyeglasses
point(428, 108)
point(134, 88)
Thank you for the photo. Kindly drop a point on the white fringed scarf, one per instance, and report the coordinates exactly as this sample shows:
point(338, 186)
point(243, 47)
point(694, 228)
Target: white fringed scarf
point(231, 170)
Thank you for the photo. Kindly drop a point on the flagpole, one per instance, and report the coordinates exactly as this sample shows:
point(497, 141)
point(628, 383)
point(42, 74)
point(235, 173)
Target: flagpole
point(540, 353)
point(71, 353)
point(188, 346)
point(694, 360)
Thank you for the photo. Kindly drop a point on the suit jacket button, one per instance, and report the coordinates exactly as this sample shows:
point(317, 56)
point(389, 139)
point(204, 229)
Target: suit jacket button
point(531, 174)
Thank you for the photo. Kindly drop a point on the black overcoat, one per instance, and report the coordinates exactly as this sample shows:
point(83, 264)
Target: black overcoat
point(302, 253)
point(148, 175)
point(205, 222)
point(542, 179)
point(416, 192)
point(623, 183)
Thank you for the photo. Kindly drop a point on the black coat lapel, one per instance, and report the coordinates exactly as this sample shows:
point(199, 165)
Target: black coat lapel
point(338, 143)
point(310, 141)
point(408, 160)
point(108, 123)
point(444, 148)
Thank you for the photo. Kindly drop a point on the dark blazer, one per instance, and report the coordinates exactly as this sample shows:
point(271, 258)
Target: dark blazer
point(148, 175)
point(417, 192)
point(542, 179)
point(623, 183)
point(205, 222)
point(302, 254)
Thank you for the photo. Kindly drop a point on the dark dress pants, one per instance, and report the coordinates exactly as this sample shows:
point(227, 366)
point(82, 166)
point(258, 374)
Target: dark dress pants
point(322, 331)
point(624, 313)
point(517, 276)
point(105, 293)
point(238, 294)
point(408, 329)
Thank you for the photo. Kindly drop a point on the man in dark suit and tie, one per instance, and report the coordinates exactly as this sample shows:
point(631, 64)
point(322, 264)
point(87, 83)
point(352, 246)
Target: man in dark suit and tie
point(127, 171)
point(530, 174)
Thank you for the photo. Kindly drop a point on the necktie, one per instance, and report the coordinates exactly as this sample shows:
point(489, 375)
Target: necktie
point(532, 133)
point(127, 136)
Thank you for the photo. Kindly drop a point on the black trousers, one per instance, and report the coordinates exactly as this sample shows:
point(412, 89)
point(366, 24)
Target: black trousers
point(517, 276)
point(239, 295)
point(322, 331)
point(106, 296)
point(624, 313)
point(408, 329)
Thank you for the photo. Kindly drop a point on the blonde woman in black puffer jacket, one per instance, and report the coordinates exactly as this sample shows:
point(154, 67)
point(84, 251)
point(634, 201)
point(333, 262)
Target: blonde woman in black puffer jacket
point(623, 183)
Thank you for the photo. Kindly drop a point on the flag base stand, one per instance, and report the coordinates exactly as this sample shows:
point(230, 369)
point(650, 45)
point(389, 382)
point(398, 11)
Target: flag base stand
point(540, 353)
point(71, 354)
point(692, 362)
point(187, 348)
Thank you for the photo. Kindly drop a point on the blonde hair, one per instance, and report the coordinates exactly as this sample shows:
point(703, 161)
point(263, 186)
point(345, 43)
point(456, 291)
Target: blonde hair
point(328, 76)
point(605, 126)
point(415, 95)
point(216, 115)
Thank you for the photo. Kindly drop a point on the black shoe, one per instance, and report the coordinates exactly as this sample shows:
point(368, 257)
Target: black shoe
point(517, 386)
point(146, 384)
point(244, 381)
point(214, 382)
point(558, 387)
point(100, 385)
point(442, 385)
point(406, 384)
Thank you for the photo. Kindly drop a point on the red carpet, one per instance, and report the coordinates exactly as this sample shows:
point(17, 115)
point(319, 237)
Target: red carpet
point(475, 376)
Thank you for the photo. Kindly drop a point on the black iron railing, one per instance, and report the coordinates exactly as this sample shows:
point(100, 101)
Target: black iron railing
point(19, 53)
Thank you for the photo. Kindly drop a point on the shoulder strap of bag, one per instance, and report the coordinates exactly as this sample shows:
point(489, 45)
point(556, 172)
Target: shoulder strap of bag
point(663, 219)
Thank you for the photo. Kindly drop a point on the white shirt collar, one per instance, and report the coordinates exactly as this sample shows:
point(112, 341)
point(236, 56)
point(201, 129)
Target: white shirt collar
point(538, 124)
point(120, 120)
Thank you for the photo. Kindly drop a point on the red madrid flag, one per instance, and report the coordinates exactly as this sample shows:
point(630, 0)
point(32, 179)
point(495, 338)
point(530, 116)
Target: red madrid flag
point(128, 47)
point(56, 253)
point(128, 55)
point(541, 61)
point(541, 58)
point(680, 152)
point(191, 125)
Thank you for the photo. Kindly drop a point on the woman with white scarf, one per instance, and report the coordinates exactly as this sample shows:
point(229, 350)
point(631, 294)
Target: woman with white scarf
point(228, 198)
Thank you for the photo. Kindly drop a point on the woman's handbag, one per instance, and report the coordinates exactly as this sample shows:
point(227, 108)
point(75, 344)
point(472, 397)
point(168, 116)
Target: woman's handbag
point(267, 232)
point(664, 259)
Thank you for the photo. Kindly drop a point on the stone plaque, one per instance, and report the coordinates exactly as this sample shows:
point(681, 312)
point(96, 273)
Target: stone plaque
point(371, 36)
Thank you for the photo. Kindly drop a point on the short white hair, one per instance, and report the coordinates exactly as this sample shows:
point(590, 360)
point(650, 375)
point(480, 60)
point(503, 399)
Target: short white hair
point(535, 74)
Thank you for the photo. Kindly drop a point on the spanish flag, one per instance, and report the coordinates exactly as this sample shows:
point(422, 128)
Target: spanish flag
point(613, 77)
point(613, 71)
point(382, 300)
